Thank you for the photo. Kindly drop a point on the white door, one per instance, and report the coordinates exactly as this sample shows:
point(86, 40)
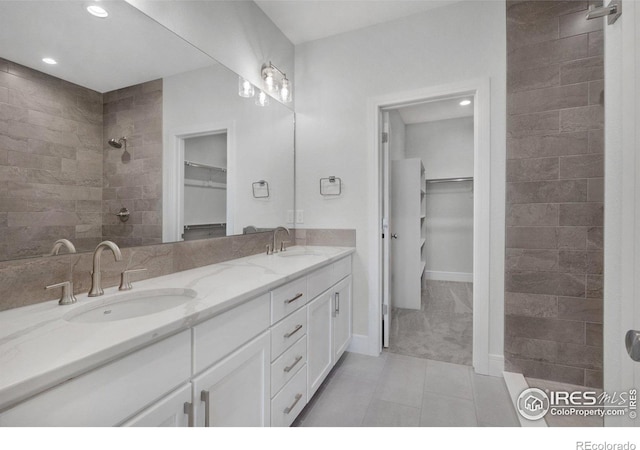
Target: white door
point(341, 317)
point(174, 410)
point(236, 392)
point(319, 340)
point(622, 203)
point(386, 237)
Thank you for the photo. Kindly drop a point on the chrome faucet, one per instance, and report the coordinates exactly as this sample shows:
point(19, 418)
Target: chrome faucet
point(96, 277)
point(275, 234)
point(59, 243)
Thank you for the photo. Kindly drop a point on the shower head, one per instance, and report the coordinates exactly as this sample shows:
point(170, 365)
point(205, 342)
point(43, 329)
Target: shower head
point(118, 143)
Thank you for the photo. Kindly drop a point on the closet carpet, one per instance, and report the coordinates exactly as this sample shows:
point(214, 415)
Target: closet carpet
point(442, 329)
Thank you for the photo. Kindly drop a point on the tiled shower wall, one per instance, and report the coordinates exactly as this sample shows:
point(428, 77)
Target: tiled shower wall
point(50, 162)
point(554, 259)
point(133, 179)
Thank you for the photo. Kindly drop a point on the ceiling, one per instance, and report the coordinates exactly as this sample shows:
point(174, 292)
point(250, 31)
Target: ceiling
point(436, 110)
point(121, 50)
point(308, 20)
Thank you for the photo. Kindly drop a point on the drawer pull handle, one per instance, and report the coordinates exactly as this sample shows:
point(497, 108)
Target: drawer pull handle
point(204, 396)
point(288, 368)
point(188, 410)
point(337, 306)
point(291, 300)
point(288, 409)
point(295, 330)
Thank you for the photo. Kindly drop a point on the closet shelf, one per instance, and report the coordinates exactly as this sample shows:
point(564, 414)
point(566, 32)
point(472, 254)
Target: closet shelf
point(449, 180)
point(204, 184)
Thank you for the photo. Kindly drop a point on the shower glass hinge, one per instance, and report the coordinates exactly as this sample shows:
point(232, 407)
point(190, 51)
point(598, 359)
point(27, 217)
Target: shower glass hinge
point(613, 10)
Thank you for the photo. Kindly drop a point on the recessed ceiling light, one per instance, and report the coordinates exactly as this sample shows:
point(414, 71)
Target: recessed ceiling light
point(465, 102)
point(49, 61)
point(97, 11)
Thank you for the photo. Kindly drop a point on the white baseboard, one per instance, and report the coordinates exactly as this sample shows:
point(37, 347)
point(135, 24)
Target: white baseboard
point(448, 276)
point(516, 383)
point(359, 344)
point(496, 365)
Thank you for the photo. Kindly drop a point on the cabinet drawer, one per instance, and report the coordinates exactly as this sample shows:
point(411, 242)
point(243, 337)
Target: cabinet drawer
point(110, 394)
point(285, 367)
point(286, 406)
point(221, 335)
point(288, 298)
point(341, 269)
point(319, 281)
point(287, 332)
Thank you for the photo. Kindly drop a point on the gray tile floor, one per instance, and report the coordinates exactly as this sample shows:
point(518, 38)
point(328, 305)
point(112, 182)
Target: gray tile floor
point(442, 329)
point(402, 391)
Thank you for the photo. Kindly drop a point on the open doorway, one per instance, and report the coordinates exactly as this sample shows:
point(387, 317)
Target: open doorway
point(428, 163)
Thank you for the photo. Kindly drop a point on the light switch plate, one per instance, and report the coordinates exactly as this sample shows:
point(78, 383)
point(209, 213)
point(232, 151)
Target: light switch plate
point(290, 216)
point(299, 216)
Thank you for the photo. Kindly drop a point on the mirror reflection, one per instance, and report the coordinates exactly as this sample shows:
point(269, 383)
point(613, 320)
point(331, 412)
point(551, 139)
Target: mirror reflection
point(134, 136)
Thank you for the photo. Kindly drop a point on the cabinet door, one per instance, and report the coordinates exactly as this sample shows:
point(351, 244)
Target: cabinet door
point(341, 317)
point(172, 411)
point(236, 391)
point(319, 339)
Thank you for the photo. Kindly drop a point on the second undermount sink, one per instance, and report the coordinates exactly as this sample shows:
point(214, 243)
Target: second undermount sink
point(132, 304)
point(298, 252)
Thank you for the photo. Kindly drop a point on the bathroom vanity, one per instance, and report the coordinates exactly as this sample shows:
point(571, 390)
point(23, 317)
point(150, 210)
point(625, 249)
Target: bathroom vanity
point(247, 343)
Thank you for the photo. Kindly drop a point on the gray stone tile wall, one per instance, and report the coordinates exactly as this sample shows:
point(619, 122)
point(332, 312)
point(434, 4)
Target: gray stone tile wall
point(555, 169)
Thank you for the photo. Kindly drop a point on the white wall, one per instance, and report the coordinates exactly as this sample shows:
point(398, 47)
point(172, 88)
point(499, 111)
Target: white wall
point(237, 34)
point(338, 75)
point(262, 140)
point(210, 149)
point(445, 147)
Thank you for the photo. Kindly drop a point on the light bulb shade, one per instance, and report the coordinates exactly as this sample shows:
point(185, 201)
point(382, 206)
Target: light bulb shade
point(270, 82)
point(285, 91)
point(262, 99)
point(245, 89)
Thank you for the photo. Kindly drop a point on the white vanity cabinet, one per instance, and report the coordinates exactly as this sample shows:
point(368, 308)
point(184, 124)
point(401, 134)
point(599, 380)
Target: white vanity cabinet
point(110, 394)
point(257, 363)
point(236, 391)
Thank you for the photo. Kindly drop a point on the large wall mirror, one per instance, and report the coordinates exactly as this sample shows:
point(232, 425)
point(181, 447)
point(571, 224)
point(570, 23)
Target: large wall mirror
point(132, 135)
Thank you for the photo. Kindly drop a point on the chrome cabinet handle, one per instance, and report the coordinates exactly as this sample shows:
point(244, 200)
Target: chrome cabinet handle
point(294, 331)
point(188, 410)
point(288, 409)
point(297, 296)
point(337, 302)
point(204, 396)
point(288, 368)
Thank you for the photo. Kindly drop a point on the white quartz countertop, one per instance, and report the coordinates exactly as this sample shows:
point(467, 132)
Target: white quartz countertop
point(40, 349)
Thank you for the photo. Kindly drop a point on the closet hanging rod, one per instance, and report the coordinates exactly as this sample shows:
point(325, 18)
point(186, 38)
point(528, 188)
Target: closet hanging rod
point(204, 166)
point(205, 225)
point(449, 180)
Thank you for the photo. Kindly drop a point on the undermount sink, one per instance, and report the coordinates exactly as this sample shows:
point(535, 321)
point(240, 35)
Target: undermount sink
point(298, 252)
point(132, 304)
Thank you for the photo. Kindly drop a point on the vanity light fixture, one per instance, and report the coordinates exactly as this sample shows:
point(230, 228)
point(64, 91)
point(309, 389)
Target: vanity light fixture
point(282, 88)
point(97, 11)
point(465, 102)
point(262, 99)
point(245, 88)
point(50, 61)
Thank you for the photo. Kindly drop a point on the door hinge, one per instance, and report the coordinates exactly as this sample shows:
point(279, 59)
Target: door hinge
point(385, 310)
point(385, 137)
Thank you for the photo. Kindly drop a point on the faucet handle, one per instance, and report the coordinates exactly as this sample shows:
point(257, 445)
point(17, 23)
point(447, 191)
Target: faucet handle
point(269, 250)
point(283, 245)
point(125, 282)
point(67, 297)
